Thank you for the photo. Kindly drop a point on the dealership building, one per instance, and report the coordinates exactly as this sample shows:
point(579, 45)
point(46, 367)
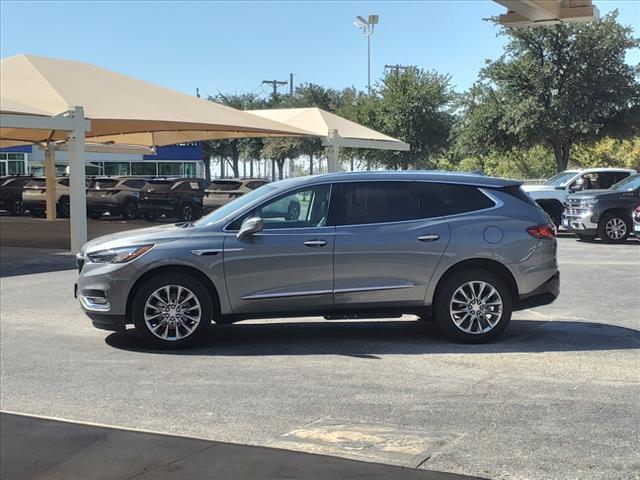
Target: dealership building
point(183, 160)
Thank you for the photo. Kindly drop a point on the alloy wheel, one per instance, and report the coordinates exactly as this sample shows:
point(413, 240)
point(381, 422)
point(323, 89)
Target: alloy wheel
point(615, 228)
point(187, 212)
point(172, 312)
point(476, 307)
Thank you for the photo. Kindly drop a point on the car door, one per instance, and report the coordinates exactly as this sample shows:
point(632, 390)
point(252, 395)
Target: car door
point(288, 266)
point(389, 240)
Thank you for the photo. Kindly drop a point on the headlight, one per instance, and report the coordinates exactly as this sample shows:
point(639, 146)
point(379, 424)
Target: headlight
point(118, 255)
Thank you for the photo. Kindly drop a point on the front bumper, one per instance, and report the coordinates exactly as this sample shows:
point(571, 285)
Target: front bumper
point(579, 220)
point(543, 295)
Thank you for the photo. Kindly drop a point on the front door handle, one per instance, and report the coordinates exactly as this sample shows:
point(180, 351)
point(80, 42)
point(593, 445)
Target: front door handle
point(432, 237)
point(315, 243)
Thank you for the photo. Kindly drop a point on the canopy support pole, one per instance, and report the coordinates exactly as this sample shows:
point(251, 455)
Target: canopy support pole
point(50, 179)
point(77, 184)
point(333, 141)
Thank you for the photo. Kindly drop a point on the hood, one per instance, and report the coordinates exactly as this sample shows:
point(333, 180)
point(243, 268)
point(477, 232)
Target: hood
point(140, 236)
point(537, 188)
point(591, 193)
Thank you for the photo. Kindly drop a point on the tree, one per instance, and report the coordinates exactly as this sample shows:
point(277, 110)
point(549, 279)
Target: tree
point(279, 150)
point(556, 85)
point(232, 149)
point(413, 106)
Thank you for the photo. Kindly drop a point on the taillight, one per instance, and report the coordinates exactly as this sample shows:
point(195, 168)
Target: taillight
point(547, 231)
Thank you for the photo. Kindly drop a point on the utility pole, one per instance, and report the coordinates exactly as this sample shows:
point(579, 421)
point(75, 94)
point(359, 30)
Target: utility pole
point(197, 92)
point(397, 68)
point(274, 84)
point(291, 84)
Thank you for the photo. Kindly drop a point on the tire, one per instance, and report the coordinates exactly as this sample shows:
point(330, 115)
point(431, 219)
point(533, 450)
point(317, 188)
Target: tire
point(150, 217)
point(64, 208)
point(16, 207)
point(493, 320)
point(293, 211)
point(188, 212)
point(130, 210)
point(38, 213)
point(614, 228)
point(144, 301)
point(94, 215)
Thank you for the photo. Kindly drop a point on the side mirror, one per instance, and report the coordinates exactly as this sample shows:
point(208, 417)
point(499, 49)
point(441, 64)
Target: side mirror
point(576, 186)
point(250, 226)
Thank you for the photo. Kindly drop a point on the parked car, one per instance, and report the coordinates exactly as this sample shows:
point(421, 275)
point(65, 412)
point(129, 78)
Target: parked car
point(117, 196)
point(34, 196)
point(467, 249)
point(552, 195)
point(636, 222)
point(221, 192)
point(604, 213)
point(11, 194)
point(180, 198)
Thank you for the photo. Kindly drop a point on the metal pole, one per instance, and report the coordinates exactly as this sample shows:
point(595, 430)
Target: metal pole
point(291, 84)
point(77, 185)
point(369, 63)
point(50, 179)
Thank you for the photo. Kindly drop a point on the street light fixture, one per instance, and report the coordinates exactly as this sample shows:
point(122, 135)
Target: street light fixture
point(366, 26)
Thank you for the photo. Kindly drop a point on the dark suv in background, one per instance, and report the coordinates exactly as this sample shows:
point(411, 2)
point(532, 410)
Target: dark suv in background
point(116, 196)
point(179, 198)
point(605, 213)
point(11, 194)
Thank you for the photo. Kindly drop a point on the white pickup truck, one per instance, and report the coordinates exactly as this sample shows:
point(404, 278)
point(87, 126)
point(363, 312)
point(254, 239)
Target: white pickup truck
point(552, 193)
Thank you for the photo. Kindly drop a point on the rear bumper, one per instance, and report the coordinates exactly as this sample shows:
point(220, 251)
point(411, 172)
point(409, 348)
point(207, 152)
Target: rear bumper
point(543, 295)
point(36, 204)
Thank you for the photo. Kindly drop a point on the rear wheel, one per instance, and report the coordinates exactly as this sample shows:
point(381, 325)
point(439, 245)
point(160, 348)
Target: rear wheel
point(473, 306)
point(188, 212)
point(614, 228)
point(64, 208)
point(172, 310)
point(16, 207)
point(130, 210)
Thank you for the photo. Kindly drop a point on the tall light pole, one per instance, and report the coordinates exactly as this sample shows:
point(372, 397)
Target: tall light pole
point(367, 29)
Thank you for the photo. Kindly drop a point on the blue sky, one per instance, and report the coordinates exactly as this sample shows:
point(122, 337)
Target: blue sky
point(232, 46)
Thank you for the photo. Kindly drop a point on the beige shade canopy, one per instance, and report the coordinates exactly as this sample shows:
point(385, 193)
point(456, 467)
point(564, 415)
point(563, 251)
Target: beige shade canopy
point(121, 109)
point(322, 123)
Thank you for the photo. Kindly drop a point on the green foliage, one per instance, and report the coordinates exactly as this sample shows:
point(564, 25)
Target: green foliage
point(558, 86)
point(609, 152)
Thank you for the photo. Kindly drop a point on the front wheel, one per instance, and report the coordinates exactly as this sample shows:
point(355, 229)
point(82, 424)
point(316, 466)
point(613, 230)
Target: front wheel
point(614, 228)
point(172, 311)
point(130, 210)
point(473, 306)
point(188, 212)
point(64, 208)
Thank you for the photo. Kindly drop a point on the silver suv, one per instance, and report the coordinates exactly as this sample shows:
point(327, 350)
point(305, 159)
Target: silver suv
point(465, 249)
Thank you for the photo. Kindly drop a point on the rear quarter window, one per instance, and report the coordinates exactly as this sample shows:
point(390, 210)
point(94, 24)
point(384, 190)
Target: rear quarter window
point(456, 199)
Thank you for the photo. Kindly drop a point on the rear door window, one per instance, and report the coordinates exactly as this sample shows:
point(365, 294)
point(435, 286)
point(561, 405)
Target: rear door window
point(361, 203)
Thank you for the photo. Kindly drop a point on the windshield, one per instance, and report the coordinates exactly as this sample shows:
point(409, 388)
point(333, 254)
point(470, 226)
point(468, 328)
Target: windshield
point(234, 205)
point(560, 179)
point(628, 184)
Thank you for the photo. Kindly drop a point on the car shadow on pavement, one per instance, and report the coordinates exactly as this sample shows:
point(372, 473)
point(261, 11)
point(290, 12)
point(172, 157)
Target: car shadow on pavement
point(369, 339)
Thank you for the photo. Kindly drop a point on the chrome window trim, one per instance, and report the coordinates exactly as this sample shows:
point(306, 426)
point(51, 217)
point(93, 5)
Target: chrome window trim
point(277, 197)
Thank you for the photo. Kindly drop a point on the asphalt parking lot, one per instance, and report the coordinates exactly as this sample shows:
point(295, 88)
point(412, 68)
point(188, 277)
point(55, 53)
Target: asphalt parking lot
point(555, 398)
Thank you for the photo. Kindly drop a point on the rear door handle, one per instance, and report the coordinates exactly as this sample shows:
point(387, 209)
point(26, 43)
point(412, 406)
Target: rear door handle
point(315, 243)
point(432, 237)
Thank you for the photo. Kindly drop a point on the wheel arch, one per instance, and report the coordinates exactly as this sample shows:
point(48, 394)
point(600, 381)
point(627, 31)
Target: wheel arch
point(623, 212)
point(186, 270)
point(492, 266)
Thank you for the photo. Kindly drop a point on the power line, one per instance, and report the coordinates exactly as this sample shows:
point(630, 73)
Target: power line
point(275, 84)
